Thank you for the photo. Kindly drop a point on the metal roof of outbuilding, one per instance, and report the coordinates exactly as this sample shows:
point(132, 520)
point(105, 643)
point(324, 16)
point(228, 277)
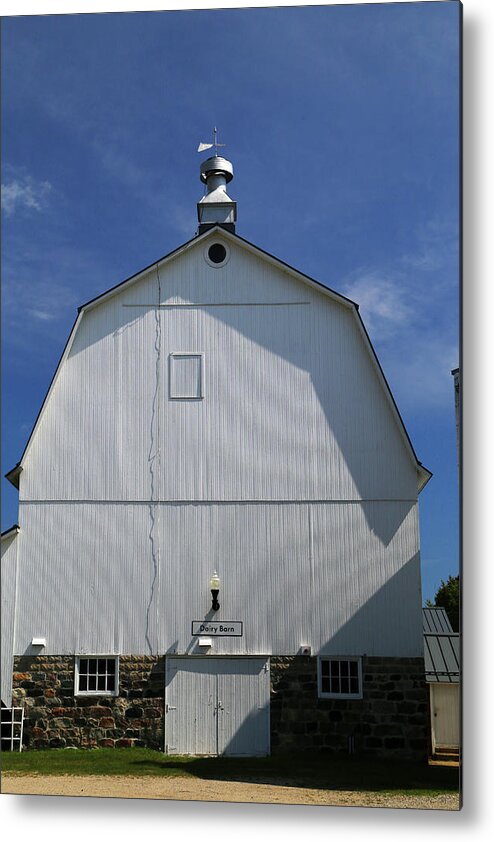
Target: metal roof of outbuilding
point(436, 620)
point(441, 647)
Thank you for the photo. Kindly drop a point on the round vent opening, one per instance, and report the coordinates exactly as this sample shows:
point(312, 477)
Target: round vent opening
point(217, 253)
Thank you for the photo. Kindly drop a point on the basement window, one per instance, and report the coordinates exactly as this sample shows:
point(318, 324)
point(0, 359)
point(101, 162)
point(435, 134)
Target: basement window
point(186, 376)
point(340, 678)
point(96, 676)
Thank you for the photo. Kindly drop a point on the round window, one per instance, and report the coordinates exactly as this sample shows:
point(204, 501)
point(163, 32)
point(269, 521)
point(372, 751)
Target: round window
point(216, 254)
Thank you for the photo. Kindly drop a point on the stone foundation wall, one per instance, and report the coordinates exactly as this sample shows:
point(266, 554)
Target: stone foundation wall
point(390, 720)
point(56, 718)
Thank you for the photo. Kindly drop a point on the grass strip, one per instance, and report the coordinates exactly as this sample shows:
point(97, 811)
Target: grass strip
point(332, 772)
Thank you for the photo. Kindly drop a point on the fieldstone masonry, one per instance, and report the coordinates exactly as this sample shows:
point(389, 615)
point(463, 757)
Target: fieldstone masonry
point(390, 720)
point(57, 719)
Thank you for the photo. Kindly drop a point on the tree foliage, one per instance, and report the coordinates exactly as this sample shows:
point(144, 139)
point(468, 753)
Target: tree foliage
point(448, 597)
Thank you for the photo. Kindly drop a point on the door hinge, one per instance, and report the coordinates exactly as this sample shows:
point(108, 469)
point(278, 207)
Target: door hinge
point(169, 707)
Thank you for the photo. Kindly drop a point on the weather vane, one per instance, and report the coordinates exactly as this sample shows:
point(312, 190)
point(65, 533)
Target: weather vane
point(203, 146)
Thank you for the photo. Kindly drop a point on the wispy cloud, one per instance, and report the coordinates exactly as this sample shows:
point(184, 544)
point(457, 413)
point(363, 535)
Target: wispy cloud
point(53, 300)
point(436, 246)
point(408, 308)
point(42, 315)
point(40, 291)
point(382, 301)
point(420, 375)
point(22, 193)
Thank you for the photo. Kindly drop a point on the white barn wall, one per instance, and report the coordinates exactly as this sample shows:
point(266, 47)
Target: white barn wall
point(126, 578)
point(8, 574)
point(305, 418)
point(293, 477)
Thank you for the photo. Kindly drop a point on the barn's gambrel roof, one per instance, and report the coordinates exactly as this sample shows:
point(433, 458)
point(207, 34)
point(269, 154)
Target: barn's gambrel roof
point(423, 473)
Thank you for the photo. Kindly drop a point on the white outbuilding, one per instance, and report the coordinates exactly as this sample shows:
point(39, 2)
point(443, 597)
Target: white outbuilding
point(218, 544)
point(442, 674)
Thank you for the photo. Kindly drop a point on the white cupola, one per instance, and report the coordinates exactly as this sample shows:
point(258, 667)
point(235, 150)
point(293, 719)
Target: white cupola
point(216, 207)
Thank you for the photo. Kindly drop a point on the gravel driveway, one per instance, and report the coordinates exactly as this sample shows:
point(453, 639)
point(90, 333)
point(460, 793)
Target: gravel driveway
point(192, 789)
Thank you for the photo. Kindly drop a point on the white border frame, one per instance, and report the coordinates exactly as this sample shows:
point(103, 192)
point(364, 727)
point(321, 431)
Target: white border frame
point(200, 355)
point(110, 693)
point(322, 695)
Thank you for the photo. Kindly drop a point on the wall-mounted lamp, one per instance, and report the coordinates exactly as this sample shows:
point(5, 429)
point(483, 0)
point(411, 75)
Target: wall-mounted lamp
point(214, 584)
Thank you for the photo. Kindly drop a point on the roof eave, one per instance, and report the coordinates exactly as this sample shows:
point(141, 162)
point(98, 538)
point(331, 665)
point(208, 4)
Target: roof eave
point(13, 475)
point(13, 530)
point(133, 278)
point(424, 475)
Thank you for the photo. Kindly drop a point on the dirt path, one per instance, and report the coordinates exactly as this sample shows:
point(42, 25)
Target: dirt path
point(191, 789)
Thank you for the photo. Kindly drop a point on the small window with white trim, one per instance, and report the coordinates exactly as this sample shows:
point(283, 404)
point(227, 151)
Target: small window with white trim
point(340, 678)
point(186, 372)
point(96, 676)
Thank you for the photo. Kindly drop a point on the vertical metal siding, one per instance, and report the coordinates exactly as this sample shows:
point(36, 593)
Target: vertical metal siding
point(8, 574)
point(294, 383)
point(149, 495)
point(92, 580)
point(367, 571)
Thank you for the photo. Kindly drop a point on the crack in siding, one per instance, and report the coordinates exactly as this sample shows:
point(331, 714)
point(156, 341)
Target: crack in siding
point(311, 551)
point(154, 461)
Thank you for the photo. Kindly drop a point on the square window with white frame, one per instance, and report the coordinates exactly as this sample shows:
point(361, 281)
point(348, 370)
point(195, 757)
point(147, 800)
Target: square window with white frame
point(340, 678)
point(96, 676)
point(186, 376)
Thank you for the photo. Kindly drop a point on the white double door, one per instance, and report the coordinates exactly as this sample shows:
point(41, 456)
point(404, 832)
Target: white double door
point(217, 706)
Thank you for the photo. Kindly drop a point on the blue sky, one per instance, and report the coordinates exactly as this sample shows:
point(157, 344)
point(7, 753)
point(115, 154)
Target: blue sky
point(342, 125)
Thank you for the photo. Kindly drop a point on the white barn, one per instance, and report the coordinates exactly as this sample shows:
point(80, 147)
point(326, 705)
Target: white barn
point(217, 412)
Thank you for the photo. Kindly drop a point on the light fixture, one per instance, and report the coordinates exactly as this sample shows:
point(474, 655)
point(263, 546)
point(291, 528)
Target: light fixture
point(214, 584)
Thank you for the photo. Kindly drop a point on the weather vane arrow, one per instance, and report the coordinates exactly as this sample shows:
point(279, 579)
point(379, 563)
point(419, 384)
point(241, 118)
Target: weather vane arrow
point(203, 146)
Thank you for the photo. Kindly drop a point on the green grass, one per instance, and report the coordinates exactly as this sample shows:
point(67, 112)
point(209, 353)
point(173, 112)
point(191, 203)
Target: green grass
point(315, 771)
